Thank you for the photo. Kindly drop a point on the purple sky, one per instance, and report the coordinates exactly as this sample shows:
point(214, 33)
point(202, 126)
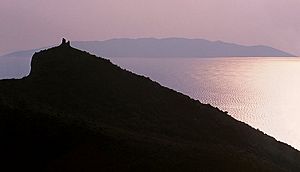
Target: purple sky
point(29, 24)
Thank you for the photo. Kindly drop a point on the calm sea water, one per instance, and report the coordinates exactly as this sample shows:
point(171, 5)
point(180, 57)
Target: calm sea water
point(263, 92)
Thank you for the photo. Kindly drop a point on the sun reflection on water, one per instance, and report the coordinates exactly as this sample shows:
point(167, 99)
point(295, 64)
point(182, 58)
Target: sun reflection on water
point(278, 86)
point(263, 92)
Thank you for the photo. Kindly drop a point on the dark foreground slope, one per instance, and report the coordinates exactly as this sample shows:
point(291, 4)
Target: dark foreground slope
point(78, 112)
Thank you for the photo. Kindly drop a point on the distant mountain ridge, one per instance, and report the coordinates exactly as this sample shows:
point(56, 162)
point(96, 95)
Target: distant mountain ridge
point(143, 47)
point(175, 47)
point(167, 47)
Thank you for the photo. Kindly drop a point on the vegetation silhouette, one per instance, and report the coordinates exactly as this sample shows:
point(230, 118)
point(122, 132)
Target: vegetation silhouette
point(79, 112)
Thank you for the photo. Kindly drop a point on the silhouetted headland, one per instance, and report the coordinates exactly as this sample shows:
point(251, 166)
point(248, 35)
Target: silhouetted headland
point(78, 112)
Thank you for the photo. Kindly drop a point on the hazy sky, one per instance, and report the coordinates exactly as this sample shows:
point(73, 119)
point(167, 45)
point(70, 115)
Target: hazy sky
point(26, 24)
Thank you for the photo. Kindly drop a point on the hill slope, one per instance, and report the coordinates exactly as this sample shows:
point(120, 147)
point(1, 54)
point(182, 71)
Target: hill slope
point(78, 112)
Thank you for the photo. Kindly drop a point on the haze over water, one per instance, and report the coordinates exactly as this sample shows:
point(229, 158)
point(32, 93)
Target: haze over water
point(263, 92)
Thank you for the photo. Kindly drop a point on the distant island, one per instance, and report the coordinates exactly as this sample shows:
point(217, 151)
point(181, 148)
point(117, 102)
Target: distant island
point(144, 47)
point(167, 47)
point(175, 47)
point(79, 112)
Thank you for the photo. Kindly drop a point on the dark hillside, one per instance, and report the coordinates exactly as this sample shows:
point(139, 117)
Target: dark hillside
point(78, 112)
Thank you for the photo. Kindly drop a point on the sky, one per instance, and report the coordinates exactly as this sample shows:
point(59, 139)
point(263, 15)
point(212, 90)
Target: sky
point(26, 24)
